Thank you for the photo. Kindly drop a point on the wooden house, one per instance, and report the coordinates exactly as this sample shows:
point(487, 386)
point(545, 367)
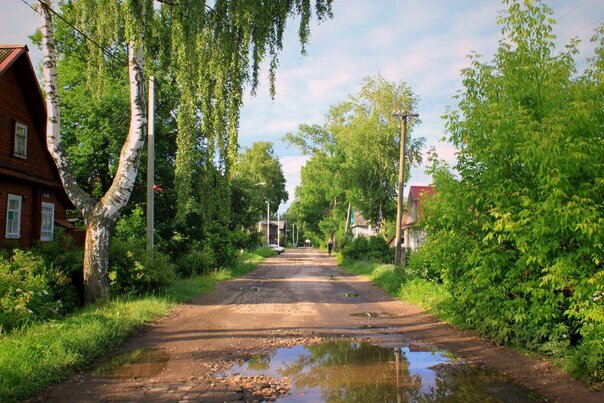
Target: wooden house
point(413, 234)
point(32, 198)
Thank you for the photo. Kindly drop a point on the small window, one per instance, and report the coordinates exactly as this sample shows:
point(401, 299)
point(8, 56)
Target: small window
point(13, 216)
point(47, 228)
point(20, 140)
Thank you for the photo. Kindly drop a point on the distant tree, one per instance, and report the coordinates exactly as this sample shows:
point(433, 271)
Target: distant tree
point(259, 175)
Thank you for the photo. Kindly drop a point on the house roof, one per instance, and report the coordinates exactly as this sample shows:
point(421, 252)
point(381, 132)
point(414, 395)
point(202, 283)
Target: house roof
point(9, 54)
point(417, 194)
point(359, 220)
point(420, 193)
point(18, 56)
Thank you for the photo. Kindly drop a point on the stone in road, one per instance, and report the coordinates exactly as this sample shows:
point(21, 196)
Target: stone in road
point(296, 298)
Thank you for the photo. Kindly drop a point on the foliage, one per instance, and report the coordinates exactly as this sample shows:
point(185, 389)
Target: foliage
point(373, 248)
point(132, 269)
point(516, 234)
point(259, 176)
point(420, 264)
point(32, 290)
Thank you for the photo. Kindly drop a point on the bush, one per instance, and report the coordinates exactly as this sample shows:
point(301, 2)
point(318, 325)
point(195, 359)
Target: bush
point(63, 255)
point(373, 248)
point(29, 290)
point(420, 265)
point(200, 259)
point(134, 271)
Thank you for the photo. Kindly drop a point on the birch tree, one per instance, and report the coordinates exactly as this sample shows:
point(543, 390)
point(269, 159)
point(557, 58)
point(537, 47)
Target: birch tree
point(215, 52)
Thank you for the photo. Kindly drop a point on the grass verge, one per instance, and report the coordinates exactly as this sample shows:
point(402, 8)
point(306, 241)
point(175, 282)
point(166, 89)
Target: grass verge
point(428, 295)
point(46, 353)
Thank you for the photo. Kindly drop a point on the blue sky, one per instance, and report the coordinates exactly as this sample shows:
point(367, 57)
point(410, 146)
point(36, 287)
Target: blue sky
point(424, 43)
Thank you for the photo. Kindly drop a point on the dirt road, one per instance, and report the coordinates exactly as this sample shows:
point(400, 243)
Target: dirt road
point(297, 298)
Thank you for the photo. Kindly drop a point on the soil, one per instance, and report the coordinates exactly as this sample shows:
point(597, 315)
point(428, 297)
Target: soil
point(290, 300)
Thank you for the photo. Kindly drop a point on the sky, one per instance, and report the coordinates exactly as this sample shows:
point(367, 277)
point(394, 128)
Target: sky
point(424, 43)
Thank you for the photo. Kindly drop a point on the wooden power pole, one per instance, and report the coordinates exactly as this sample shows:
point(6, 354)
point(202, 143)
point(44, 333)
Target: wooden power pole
point(399, 255)
point(151, 165)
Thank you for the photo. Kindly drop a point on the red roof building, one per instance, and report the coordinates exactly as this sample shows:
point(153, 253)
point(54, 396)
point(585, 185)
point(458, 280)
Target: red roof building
point(414, 236)
point(32, 198)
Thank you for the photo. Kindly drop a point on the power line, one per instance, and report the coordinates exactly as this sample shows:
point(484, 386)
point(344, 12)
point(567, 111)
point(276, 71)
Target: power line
point(86, 37)
point(572, 10)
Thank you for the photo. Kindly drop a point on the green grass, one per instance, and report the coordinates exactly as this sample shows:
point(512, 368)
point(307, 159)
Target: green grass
point(428, 295)
point(46, 353)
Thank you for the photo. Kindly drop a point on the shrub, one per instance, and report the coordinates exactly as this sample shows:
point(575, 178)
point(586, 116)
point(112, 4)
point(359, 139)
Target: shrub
point(27, 290)
point(373, 248)
point(134, 271)
point(200, 259)
point(421, 265)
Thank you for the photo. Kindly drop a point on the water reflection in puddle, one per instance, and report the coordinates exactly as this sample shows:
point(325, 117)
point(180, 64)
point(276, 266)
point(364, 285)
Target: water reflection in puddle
point(140, 363)
point(349, 294)
point(348, 371)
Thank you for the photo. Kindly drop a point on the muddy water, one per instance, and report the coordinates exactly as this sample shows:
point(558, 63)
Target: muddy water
point(140, 363)
point(348, 371)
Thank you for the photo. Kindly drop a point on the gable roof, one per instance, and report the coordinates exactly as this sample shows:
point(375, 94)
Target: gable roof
point(420, 193)
point(417, 194)
point(17, 56)
point(9, 54)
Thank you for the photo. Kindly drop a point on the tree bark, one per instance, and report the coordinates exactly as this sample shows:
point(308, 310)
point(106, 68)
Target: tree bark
point(98, 216)
point(96, 260)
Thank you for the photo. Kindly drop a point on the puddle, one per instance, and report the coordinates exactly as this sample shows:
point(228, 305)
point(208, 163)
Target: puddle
point(349, 294)
point(139, 363)
point(374, 314)
point(349, 371)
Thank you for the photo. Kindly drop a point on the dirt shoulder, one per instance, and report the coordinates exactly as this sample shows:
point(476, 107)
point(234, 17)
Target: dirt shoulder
point(296, 298)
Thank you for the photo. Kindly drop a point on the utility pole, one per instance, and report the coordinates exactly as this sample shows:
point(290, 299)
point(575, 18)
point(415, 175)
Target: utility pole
point(268, 223)
point(399, 255)
point(347, 222)
point(278, 229)
point(150, 164)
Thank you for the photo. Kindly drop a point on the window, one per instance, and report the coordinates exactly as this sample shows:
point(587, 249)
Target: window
point(47, 228)
point(20, 140)
point(13, 216)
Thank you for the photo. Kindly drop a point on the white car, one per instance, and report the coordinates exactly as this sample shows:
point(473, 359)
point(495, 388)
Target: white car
point(276, 248)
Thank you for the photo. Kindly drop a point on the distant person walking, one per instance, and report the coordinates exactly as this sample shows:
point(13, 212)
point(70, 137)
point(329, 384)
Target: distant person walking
point(329, 246)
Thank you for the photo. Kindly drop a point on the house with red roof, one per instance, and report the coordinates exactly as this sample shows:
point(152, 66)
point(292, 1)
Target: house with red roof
point(32, 198)
point(413, 234)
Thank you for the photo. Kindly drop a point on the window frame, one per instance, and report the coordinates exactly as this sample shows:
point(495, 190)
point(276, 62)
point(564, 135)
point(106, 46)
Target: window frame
point(13, 235)
point(15, 141)
point(52, 223)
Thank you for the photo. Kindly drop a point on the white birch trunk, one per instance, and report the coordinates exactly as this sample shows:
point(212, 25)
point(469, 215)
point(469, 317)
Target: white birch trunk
point(99, 217)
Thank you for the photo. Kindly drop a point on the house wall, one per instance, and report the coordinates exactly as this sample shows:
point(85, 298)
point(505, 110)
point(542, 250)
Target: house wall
point(363, 230)
point(14, 107)
point(31, 207)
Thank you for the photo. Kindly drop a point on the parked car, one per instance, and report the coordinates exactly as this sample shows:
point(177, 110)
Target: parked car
point(277, 248)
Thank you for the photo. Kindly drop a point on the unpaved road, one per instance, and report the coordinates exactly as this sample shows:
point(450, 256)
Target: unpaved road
point(295, 298)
